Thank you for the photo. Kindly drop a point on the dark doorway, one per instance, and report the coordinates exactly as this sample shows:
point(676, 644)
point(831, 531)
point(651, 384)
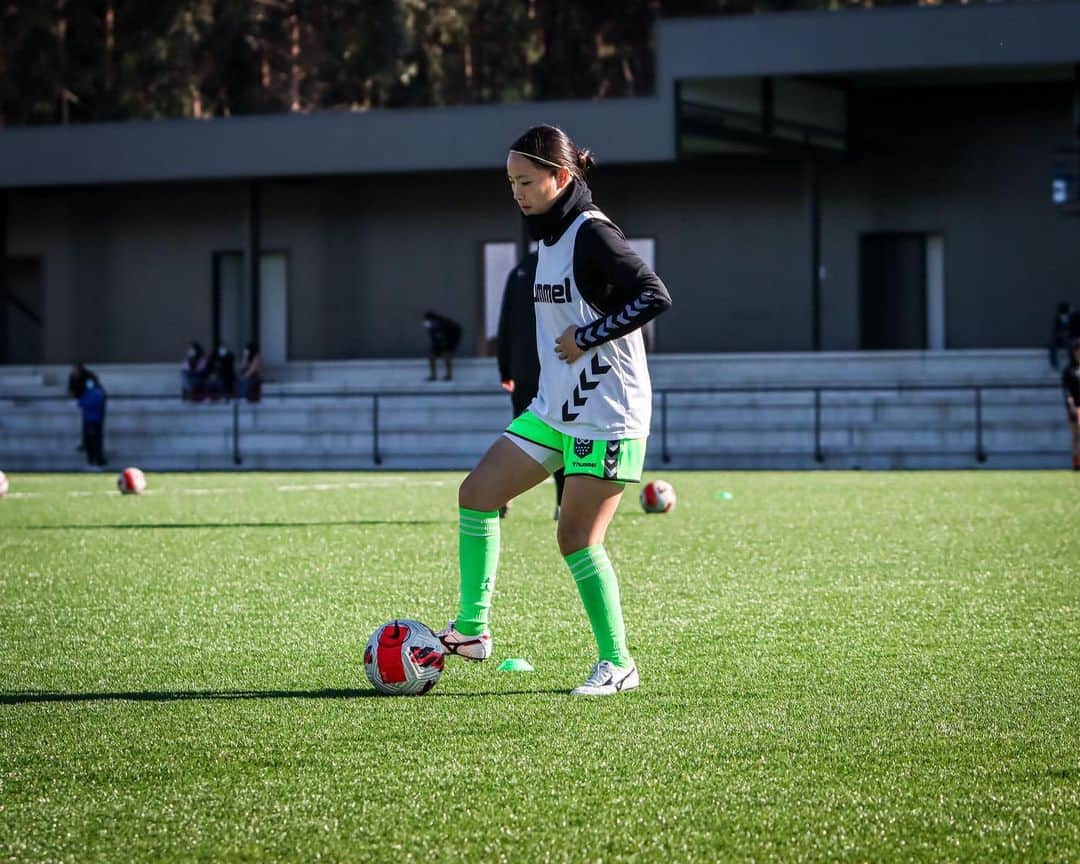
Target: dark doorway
point(23, 315)
point(892, 291)
point(232, 304)
point(231, 323)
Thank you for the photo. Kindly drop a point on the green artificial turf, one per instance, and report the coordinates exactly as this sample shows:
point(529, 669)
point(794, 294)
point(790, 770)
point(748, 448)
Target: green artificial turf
point(835, 666)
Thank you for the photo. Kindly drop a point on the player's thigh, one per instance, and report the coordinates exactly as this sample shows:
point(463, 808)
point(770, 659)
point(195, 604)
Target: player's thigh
point(588, 506)
point(503, 473)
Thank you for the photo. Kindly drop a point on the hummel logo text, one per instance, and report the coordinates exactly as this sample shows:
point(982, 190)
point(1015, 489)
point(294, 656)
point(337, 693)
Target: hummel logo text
point(552, 293)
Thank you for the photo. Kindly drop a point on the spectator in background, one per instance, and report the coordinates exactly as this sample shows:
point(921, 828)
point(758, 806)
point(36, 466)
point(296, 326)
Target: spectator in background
point(445, 334)
point(1060, 335)
point(193, 373)
point(221, 374)
point(92, 405)
point(519, 365)
point(249, 382)
point(77, 379)
point(1070, 383)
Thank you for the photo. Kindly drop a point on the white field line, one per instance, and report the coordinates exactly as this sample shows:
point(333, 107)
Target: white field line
point(83, 493)
point(367, 484)
point(227, 490)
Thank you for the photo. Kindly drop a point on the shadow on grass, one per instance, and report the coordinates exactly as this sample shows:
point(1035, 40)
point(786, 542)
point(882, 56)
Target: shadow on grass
point(29, 697)
point(540, 691)
point(145, 526)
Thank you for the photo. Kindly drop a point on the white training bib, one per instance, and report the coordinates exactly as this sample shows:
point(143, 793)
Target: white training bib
point(606, 393)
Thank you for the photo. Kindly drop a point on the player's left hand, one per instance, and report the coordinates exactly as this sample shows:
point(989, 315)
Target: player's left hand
point(565, 346)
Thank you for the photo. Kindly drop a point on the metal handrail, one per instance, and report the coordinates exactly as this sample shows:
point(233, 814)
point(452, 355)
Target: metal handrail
point(817, 390)
point(662, 392)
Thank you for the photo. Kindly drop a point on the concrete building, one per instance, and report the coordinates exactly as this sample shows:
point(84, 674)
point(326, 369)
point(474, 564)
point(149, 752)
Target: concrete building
point(808, 181)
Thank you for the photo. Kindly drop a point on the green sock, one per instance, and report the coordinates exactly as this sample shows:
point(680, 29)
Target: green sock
point(599, 590)
point(478, 556)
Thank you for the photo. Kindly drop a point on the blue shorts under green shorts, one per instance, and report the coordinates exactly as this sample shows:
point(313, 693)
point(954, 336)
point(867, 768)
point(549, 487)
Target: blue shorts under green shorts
point(620, 460)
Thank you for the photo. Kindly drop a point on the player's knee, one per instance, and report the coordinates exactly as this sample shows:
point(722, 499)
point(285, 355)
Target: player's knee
point(473, 494)
point(572, 538)
point(466, 493)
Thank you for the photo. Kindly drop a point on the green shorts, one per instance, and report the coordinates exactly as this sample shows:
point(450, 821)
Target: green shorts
point(620, 460)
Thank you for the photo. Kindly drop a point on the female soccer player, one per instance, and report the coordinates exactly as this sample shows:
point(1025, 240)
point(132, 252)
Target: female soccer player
point(591, 414)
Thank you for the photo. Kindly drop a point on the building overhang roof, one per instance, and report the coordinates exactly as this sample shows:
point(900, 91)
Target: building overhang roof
point(623, 131)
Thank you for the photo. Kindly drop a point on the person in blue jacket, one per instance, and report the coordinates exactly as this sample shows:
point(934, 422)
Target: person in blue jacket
point(92, 405)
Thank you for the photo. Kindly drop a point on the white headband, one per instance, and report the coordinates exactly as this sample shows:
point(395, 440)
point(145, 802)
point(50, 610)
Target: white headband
point(538, 159)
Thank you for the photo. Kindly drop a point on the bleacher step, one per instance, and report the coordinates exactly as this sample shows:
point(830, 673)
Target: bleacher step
point(314, 416)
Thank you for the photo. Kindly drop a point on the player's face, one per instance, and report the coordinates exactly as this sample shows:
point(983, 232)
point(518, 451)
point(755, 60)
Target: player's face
point(534, 188)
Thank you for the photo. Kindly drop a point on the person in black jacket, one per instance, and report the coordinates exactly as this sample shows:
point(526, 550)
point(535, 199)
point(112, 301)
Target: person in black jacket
point(193, 373)
point(519, 366)
point(1070, 384)
point(445, 334)
point(1060, 332)
point(221, 380)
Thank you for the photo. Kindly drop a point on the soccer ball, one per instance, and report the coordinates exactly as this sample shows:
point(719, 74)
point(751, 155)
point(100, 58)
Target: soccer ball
point(131, 481)
point(403, 658)
point(658, 497)
point(3, 484)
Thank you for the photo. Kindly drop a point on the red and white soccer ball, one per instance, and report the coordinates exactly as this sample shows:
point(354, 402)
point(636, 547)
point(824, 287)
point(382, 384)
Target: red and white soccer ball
point(131, 481)
point(403, 658)
point(658, 497)
point(3, 484)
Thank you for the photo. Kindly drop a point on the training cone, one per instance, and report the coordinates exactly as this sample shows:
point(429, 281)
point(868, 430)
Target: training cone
point(515, 664)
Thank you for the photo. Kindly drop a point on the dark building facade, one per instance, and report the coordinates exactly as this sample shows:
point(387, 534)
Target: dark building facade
point(850, 181)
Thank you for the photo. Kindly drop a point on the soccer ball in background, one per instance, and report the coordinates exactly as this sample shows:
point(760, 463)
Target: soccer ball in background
point(658, 497)
point(131, 481)
point(403, 658)
point(3, 484)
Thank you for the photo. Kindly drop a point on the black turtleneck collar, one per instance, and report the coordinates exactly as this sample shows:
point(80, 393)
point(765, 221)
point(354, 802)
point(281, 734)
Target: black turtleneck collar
point(550, 225)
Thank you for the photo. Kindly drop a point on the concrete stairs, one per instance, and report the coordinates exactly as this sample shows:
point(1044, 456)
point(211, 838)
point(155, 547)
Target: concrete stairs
point(870, 410)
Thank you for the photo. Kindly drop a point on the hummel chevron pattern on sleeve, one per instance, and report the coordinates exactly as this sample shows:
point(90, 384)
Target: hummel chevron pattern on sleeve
point(633, 315)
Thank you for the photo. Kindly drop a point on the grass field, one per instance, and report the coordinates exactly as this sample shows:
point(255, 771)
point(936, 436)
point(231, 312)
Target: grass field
point(861, 667)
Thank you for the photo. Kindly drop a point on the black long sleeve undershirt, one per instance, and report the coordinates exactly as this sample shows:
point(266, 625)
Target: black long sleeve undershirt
point(615, 281)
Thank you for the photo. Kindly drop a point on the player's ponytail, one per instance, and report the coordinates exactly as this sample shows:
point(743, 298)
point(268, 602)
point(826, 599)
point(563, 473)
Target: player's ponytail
point(550, 148)
point(585, 161)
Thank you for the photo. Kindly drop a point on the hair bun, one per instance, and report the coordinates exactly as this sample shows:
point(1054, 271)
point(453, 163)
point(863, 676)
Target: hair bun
point(550, 148)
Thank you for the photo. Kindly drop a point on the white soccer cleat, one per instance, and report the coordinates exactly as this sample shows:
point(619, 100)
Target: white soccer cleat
point(607, 679)
point(468, 647)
